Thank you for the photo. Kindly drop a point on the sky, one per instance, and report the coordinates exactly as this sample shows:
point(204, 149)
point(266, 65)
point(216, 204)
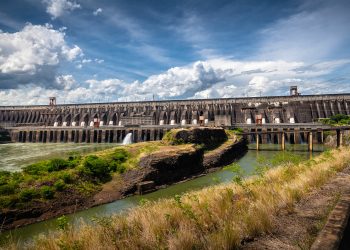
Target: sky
point(84, 51)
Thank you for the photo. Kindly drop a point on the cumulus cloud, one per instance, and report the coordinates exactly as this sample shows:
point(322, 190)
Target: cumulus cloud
point(67, 82)
point(319, 30)
point(57, 8)
point(98, 11)
point(33, 55)
point(203, 79)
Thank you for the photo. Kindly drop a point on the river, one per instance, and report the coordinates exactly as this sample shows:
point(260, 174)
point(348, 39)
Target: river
point(35, 152)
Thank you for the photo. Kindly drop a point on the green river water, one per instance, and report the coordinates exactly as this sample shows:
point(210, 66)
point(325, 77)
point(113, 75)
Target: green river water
point(15, 156)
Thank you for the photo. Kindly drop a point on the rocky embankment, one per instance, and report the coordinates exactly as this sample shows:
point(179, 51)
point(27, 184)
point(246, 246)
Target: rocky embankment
point(171, 165)
point(184, 154)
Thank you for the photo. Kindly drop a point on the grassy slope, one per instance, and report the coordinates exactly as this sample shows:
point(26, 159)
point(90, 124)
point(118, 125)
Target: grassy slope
point(215, 217)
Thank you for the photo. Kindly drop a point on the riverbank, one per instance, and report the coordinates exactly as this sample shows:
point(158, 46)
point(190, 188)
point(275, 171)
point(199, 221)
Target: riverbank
point(223, 216)
point(89, 185)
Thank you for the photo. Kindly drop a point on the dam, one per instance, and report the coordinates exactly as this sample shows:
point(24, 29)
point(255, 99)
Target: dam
point(149, 120)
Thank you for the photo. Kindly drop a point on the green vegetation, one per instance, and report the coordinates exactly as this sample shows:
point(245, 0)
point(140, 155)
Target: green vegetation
point(169, 137)
point(47, 179)
point(336, 120)
point(217, 217)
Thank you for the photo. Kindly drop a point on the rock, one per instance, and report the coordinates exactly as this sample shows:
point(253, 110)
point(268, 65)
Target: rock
point(165, 167)
point(224, 155)
point(201, 135)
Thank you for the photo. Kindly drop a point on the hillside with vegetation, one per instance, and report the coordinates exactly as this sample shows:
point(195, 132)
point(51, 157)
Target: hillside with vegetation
point(58, 186)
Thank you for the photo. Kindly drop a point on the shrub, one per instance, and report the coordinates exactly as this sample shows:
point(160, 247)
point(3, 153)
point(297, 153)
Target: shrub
point(67, 177)
point(8, 201)
point(57, 164)
point(96, 167)
point(120, 155)
point(47, 192)
point(36, 168)
point(27, 194)
point(7, 189)
point(60, 185)
point(4, 177)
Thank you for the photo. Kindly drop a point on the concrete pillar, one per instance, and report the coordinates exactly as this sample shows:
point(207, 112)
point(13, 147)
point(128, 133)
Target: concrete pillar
point(103, 136)
point(69, 136)
point(115, 136)
point(310, 141)
point(152, 135)
point(139, 135)
point(257, 141)
point(339, 138)
point(183, 122)
point(283, 141)
point(92, 132)
point(28, 139)
point(80, 140)
point(296, 136)
point(264, 136)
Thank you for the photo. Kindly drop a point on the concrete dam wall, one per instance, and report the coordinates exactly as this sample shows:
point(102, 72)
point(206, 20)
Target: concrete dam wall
point(110, 121)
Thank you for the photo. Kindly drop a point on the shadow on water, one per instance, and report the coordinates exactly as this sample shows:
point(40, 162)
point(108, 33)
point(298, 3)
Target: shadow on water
point(248, 163)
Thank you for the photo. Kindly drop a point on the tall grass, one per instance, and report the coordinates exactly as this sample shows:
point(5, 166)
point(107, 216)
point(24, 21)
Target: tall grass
point(217, 217)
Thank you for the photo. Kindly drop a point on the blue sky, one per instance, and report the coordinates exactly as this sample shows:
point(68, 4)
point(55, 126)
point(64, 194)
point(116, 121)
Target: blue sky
point(95, 51)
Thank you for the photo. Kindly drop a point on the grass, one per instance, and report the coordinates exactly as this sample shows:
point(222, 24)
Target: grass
point(217, 217)
point(43, 180)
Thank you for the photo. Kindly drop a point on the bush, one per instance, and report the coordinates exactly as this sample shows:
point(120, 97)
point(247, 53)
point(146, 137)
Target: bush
point(57, 165)
point(5, 176)
point(47, 192)
point(7, 189)
point(8, 201)
point(120, 155)
point(67, 177)
point(28, 194)
point(96, 167)
point(37, 168)
point(60, 185)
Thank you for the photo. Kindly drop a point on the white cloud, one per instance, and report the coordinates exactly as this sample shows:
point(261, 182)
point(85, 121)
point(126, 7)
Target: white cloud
point(318, 31)
point(99, 61)
point(66, 81)
point(57, 8)
point(98, 11)
point(203, 79)
point(33, 55)
point(86, 61)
